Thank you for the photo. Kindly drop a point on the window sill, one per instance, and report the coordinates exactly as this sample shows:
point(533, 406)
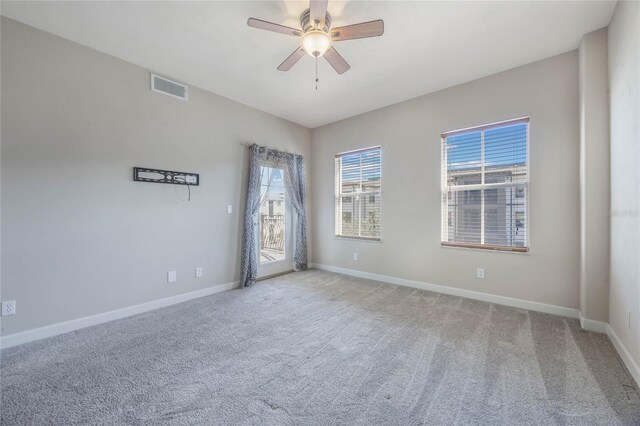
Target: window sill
point(478, 247)
point(367, 239)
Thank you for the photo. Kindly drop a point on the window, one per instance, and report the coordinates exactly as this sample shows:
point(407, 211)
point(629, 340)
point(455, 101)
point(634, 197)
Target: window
point(357, 194)
point(272, 215)
point(485, 177)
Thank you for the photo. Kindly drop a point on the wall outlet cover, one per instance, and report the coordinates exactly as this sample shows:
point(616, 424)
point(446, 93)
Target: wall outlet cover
point(8, 307)
point(198, 271)
point(480, 273)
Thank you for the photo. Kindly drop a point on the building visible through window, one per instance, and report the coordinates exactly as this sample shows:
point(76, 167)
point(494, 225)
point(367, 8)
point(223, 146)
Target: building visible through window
point(357, 194)
point(484, 186)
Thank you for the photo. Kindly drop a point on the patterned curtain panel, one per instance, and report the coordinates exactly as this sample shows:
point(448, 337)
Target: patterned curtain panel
point(249, 259)
point(294, 178)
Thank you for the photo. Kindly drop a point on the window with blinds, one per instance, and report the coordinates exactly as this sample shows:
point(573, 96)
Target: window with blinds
point(357, 194)
point(485, 177)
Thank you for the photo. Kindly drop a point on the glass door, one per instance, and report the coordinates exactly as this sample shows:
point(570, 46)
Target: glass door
point(274, 224)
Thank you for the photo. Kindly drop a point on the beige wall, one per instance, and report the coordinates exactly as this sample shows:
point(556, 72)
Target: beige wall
point(79, 237)
point(624, 83)
point(594, 177)
point(409, 132)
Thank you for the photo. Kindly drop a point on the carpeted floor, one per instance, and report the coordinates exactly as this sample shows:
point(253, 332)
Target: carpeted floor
point(322, 348)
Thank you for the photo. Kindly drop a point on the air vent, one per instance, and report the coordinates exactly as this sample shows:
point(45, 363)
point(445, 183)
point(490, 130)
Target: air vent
point(169, 87)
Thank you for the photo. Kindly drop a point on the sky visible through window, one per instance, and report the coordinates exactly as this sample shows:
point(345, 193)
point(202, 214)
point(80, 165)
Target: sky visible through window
point(272, 181)
point(370, 166)
point(504, 146)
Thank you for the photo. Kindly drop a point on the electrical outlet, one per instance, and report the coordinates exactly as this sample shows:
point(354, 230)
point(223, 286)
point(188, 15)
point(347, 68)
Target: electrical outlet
point(229, 209)
point(8, 307)
point(355, 257)
point(198, 271)
point(172, 276)
point(480, 273)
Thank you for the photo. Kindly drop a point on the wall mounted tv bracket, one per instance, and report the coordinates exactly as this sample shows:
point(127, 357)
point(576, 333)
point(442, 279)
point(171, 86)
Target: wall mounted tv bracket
point(143, 174)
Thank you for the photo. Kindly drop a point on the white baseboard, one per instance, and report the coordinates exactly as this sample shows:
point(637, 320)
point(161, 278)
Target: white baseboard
point(76, 324)
point(592, 325)
point(469, 294)
point(624, 354)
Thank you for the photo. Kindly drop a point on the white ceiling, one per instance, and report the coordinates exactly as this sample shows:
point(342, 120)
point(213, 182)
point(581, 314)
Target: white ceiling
point(427, 46)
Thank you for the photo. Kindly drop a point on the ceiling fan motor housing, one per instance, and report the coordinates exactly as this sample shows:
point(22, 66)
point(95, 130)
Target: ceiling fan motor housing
point(306, 24)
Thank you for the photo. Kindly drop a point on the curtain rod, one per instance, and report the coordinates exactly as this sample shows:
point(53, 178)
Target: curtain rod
point(248, 144)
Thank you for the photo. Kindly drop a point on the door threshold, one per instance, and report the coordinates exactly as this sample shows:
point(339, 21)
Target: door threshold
point(277, 274)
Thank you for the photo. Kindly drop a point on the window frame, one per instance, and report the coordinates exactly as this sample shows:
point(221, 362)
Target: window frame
point(446, 192)
point(362, 195)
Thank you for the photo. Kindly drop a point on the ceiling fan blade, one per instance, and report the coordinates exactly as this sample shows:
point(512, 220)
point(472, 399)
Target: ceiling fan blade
point(361, 30)
point(336, 61)
point(270, 26)
point(292, 59)
point(318, 11)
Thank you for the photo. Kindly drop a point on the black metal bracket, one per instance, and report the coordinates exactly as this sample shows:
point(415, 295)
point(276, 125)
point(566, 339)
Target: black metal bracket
point(143, 174)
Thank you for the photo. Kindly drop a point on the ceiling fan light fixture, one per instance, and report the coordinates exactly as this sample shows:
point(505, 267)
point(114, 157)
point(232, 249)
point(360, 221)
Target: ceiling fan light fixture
point(317, 36)
point(316, 43)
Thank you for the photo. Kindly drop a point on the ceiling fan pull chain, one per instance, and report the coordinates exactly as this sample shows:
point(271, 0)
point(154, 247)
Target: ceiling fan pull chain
point(316, 73)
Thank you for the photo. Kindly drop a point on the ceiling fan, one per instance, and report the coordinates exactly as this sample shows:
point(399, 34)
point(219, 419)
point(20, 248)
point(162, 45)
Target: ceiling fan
point(317, 36)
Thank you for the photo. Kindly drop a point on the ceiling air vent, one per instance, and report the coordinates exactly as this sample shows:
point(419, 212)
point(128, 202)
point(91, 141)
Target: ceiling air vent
point(169, 87)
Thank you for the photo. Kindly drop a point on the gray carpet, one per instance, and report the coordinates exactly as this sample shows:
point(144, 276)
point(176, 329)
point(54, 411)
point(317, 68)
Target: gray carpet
point(322, 348)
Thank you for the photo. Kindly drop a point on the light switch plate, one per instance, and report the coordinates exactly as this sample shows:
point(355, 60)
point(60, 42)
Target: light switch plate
point(172, 276)
point(229, 209)
point(199, 272)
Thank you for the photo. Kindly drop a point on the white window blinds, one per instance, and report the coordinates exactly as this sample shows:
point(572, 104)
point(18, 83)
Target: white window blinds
point(485, 176)
point(357, 194)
